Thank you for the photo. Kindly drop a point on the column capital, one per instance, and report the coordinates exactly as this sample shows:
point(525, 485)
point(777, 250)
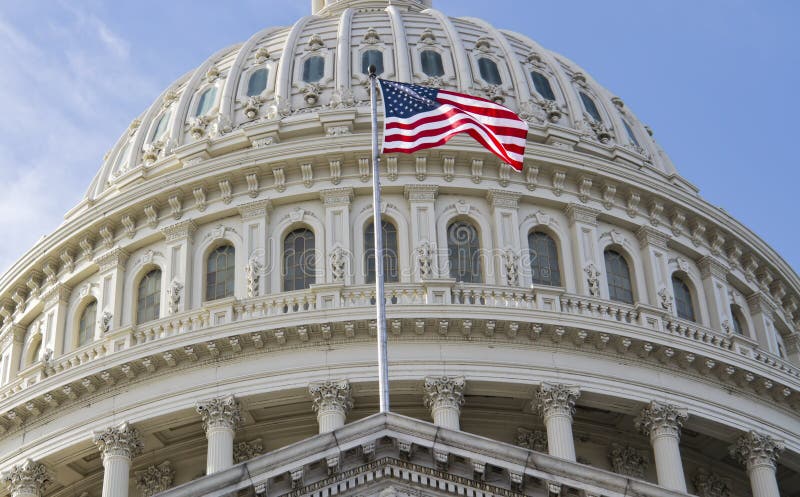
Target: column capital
point(647, 235)
point(179, 231)
point(709, 484)
point(577, 213)
point(659, 419)
point(27, 478)
point(331, 396)
point(628, 461)
point(554, 399)
point(502, 198)
point(255, 209)
point(220, 412)
point(336, 196)
point(444, 391)
point(123, 440)
point(754, 449)
point(421, 193)
point(114, 258)
point(58, 292)
point(155, 479)
point(711, 266)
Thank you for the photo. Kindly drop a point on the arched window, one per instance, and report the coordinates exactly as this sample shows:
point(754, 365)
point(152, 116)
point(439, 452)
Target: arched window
point(431, 62)
point(544, 259)
point(618, 276)
point(313, 69)
point(542, 85)
point(683, 298)
point(220, 272)
point(148, 304)
point(87, 323)
point(257, 82)
point(737, 320)
point(372, 57)
point(631, 136)
point(489, 71)
point(463, 251)
point(590, 107)
point(299, 260)
point(391, 273)
point(206, 101)
point(161, 127)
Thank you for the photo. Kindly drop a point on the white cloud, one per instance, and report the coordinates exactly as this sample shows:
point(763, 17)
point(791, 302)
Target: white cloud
point(67, 92)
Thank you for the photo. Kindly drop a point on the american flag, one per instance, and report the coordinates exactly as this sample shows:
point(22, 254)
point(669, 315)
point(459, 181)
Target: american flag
point(418, 117)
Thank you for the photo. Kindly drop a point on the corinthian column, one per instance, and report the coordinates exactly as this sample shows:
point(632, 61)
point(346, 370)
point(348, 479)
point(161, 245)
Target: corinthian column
point(663, 422)
point(759, 453)
point(444, 395)
point(27, 479)
point(557, 405)
point(332, 401)
point(221, 417)
point(118, 446)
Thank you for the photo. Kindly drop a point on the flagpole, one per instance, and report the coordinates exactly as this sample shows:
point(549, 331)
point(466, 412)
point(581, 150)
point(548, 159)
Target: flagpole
point(380, 301)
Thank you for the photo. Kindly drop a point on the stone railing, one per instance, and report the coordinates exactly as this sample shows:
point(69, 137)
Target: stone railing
point(545, 305)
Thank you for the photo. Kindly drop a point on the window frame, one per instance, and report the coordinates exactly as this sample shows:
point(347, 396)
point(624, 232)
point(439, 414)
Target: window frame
point(249, 79)
point(158, 293)
point(454, 271)
point(198, 100)
point(429, 50)
point(556, 252)
point(501, 80)
point(369, 246)
point(624, 258)
point(683, 295)
point(80, 323)
point(206, 272)
point(308, 277)
point(546, 79)
point(583, 93)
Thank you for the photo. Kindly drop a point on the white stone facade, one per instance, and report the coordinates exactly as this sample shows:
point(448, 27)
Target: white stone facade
point(566, 369)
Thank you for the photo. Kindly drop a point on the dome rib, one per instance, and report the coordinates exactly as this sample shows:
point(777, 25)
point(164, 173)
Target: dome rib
point(283, 83)
point(343, 50)
point(511, 59)
point(463, 76)
point(401, 44)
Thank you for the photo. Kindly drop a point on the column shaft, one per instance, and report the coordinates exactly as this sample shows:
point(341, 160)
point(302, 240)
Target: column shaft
point(116, 473)
point(331, 419)
point(762, 480)
point(447, 416)
point(669, 467)
point(220, 448)
point(559, 436)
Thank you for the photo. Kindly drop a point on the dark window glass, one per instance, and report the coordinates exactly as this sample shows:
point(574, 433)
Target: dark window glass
point(148, 304)
point(313, 69)
point(257, 82)
point(299, 260)
point(431, 63)
point(35, 353)
point(619, 277)
point(463, 251)
point(372, 57)
point(544, 259)
point(683, 299)
point(220, 273)
point(590, 107)
point(87, 323)
point(161, 127)
point(542, 85)
point(206, 101)
point(391, 273)
point(737, 322)
point(489, 71)
point(631, 136)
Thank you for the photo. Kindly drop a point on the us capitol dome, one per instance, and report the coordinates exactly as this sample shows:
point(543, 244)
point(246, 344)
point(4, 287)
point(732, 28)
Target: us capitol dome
point(203, 322)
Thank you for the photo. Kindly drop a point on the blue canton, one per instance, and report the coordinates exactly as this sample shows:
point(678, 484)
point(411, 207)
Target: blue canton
point(403, 100)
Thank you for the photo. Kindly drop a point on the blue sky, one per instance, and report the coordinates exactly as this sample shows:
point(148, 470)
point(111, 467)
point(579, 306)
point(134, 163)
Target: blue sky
point(717, 80)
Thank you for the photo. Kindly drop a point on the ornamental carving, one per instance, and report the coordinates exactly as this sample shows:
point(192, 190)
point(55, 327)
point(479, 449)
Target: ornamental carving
point(244, 451)
point(342, 98)
point(155, 479)
point(425, 252)
point(331, 396)
point(532, 439)
point(220, 412)
point(174, 296)
point(444, 391)
point(252, 105)
point(557, 399)
point(709, 484)
point(27, 478)
point(197, 126)
point(338, 263)
point(661, 419)
point(123, 440)
point(665, 299)
point(252, 273)
point(593, 279)
point(105, 321)
point(511, 264)
point(628, 461)
point(754, 449)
